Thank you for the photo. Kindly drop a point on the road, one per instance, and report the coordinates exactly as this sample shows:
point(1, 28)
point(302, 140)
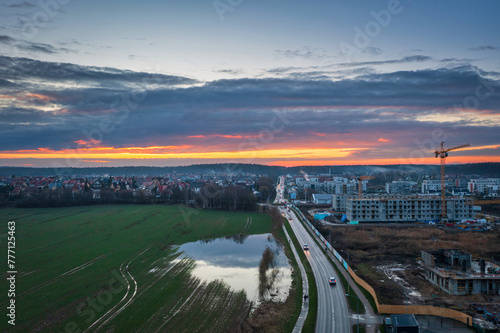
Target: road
point(333, 313)
point(280, 191)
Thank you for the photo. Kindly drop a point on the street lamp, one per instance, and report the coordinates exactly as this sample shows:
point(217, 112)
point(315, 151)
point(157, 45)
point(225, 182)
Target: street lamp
point(357, 306)
point(348, 274)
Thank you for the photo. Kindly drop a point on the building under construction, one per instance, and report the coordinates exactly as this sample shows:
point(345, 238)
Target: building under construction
point(405, 208)
point(455, 273)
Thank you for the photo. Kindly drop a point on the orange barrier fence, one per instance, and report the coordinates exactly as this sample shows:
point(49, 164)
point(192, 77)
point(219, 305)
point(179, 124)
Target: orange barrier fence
point(413, 309)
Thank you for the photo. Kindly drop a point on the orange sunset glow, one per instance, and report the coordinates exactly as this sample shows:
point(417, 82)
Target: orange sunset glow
point(275, 157)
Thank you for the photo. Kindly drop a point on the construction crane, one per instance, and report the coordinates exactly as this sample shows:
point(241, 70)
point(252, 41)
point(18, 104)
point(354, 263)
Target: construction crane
point(360, 183)
point(443, 153)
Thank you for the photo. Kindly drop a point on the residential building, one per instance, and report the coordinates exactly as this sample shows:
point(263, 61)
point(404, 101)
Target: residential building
point(400, 187)
point(481, 185)
point(339, 202)
point(434, 185)
point(307, 184)
point(322, 199)
point(406, 208)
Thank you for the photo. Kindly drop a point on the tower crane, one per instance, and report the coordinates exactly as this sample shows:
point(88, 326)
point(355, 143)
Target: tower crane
point(360, 183)
point(443, 153)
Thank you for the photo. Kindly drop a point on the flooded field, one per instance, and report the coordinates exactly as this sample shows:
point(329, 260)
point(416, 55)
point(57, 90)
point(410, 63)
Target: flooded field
point(235, 260)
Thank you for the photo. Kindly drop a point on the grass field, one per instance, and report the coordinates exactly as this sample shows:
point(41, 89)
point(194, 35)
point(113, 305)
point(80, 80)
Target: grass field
point(116, 268)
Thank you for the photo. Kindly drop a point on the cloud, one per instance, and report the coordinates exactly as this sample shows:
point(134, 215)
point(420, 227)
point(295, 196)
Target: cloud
point(28, 69)
point(229, 71)
point(484, 48)
point(374, 51)
point(32, 47)
point(408, 59)
point(342, 70)
point(305, 52)
point(51, 105)
point(6, 39)
point(24, 4)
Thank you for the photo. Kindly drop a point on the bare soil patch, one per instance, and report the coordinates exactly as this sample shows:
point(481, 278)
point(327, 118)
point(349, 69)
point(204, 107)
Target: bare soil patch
point(387, 258)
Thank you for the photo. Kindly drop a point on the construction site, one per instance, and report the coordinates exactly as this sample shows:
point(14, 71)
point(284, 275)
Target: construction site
point(433, 249)
point(455, 273)
point(391, 259)
point(409, 208)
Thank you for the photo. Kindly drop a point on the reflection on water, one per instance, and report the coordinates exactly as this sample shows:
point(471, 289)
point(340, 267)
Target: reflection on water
point(235, 260)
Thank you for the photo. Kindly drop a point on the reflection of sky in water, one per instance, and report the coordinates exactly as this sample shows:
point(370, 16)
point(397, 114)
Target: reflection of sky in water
point(236, 262)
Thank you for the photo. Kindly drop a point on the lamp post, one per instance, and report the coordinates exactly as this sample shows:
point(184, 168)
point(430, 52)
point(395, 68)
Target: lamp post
point(348, 274)
point(357, 307)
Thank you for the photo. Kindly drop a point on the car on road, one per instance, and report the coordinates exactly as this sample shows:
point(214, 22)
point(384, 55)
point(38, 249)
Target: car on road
point(306, 247)
point(332, 280)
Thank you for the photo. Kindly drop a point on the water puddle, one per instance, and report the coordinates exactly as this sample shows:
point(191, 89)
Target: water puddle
point(235, 260)
point(391, 272)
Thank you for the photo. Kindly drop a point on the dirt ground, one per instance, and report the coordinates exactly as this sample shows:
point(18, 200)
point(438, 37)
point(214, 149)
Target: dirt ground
point(387, 258)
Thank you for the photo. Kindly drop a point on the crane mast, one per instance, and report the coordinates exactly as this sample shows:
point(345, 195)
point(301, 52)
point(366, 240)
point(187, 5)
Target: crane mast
point(443, 153)
point(360, 184)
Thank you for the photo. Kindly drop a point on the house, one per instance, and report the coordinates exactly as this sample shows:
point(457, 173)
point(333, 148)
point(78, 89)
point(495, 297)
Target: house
point(322, 199)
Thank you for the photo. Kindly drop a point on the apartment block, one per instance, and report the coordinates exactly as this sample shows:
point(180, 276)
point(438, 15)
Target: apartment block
point(484, 185)
point(406, 208)
point(434, 185)
point(400, 187)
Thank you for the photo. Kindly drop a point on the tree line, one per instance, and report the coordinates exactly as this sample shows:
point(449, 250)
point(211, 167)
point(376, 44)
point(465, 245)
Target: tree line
point(209, 196)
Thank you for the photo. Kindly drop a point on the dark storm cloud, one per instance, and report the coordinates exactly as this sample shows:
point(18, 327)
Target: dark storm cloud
point(6, 83)
point(6, 39)
point(166, 114)
point(23, 68)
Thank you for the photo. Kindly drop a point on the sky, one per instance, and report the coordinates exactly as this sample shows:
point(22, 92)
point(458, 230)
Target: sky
point(165, 83)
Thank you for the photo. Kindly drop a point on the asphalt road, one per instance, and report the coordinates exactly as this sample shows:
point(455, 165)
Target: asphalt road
point(333, 313)
point(280, 191)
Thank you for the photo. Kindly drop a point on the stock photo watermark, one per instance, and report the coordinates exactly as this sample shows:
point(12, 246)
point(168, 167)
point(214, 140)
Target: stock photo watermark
point(482, 92)
point(122, 107)
point(48, 9)
point(92, 306)
point(223, 6)
point(363, 36)
point(11, 272)
point(425, 146)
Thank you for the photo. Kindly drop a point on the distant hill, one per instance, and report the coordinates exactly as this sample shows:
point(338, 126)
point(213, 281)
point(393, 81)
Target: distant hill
point(477, 169)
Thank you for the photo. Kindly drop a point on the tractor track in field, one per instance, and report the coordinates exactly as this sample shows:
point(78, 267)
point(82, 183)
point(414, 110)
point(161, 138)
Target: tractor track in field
point(159, 277)
point(49, 244)
point(195, 294)
point(124, 271)
point(63, 275)
point(247, 225)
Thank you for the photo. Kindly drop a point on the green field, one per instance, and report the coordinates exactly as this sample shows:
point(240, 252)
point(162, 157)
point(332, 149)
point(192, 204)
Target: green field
point(116, 268)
